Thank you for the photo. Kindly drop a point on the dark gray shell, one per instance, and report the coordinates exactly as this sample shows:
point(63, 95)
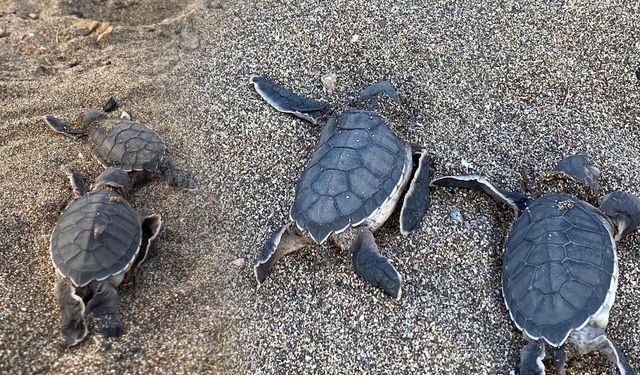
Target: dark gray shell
point(558, 266)
point(97, 236)
point(128, 145)
point(356, 166)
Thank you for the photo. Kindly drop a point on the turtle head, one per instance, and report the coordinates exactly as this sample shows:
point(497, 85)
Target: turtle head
point(623, 209)
point(114, 178)
point(90, 117)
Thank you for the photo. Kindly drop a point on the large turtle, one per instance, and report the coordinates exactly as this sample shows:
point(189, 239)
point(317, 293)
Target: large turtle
point(99, 238)
point(125, 144)
point(560, 270)
point(351, 185)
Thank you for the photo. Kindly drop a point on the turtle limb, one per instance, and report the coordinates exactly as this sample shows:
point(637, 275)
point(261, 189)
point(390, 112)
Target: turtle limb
point(151, 225)
point(517, 201)
point(369, 96)
point(77, 185)
point(374, 268)
point(531, 357)
point(592, 338)
point(104, 306)
point(289, 102)
point(624, 210)
point(416, 201)
point(62, 127)
point(579, 168)
point(176, 177)
point(73, 324)
point(287, 240)
point(559, 359)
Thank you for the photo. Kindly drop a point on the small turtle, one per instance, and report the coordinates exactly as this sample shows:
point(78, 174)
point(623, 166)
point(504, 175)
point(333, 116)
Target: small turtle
point(560, 270)
point(351, 185)
point(97, 241)
point(125, 144)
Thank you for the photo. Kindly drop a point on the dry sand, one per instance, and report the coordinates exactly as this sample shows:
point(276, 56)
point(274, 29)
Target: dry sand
point(500, 85)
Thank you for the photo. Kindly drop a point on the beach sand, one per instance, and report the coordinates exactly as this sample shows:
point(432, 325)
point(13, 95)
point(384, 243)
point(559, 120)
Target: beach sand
point(485, 87)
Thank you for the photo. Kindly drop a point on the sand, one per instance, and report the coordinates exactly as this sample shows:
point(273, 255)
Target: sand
point(501, 86)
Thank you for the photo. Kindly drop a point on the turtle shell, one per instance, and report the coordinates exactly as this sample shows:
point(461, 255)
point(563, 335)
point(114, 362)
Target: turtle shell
point(128, 145)
point(97, 236)
point(357, 166)
point(560, 267)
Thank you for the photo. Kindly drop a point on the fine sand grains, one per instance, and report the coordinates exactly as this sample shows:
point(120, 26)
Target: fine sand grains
point(486, 87)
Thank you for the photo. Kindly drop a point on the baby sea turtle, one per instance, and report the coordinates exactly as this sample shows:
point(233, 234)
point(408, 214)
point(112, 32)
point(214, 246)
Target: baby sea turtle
point(351, 185)
point(125, 144)
point(98, 239)
point(560, 270)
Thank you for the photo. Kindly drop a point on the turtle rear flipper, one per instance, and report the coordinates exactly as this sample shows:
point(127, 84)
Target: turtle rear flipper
point(416, 201)
point(592, 338)
point(373, 267)
point(531, 357)
point(287, 240)
point(74, 326)
point(289, 102)
point(104, 306)
point(517, 201)
point(62, 127)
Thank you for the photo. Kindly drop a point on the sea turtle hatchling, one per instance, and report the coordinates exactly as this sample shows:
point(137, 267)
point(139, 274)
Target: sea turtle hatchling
point(351, 185)
point(99, 238)
point(125, 144)
point(560, 270)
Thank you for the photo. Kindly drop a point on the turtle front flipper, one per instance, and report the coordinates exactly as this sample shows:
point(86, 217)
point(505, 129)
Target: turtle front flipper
point(624, 210)
point(176, 177)
point(151, 225)
point(104, 306)
point(77, 185)
point(369, 96)
point(289, 102)
point(61, 127)
point(517, 201)
point(579, 168)
point(374, 268)
point(531, 357)
point(74, 326)
point(416, 201)
point(287, 240)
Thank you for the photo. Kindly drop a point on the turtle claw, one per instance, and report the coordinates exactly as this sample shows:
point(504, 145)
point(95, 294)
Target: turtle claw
point(61, 127)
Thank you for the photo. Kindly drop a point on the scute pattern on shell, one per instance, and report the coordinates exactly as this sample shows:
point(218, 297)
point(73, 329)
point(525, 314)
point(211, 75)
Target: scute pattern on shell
point(97, 236)
point(128, 145)
point(558, 265)
point(356, 166)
